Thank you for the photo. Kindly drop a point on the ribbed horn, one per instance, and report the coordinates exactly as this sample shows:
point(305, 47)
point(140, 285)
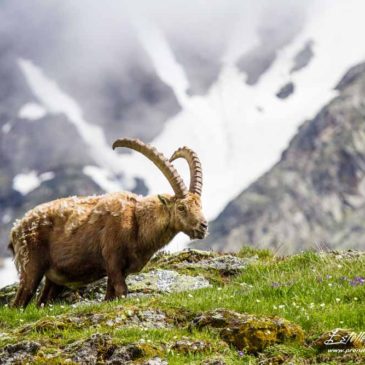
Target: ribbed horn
point(196, 175)
point(159, 160)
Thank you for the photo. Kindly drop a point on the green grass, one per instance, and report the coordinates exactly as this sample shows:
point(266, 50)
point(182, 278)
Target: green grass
point(313, 292)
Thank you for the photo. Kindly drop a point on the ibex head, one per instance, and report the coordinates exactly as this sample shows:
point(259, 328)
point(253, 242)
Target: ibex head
point(185, 206)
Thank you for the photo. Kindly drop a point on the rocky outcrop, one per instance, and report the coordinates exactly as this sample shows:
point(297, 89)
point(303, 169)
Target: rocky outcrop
point(315, 195)
point(225, 264)
point(147, 283)
point(249, 332)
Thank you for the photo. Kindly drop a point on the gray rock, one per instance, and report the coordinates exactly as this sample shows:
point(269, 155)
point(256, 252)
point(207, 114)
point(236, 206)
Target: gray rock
point(165, 281)
point(18, 353)
point(125, 354)
point(89, 352)
point(227, 264)
point(141, 318)
point(286, 90)
point(350, 76)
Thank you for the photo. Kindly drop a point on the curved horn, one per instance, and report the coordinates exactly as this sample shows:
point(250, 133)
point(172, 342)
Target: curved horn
point(159, 160)
point(196, 178)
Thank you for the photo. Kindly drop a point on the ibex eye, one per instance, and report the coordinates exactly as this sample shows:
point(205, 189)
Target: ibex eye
point(181, 208)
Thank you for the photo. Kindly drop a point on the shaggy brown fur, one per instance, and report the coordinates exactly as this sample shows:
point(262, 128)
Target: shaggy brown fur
point(74, 241)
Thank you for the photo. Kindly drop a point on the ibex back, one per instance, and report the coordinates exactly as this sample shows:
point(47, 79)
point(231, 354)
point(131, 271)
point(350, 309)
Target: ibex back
point(74, 241)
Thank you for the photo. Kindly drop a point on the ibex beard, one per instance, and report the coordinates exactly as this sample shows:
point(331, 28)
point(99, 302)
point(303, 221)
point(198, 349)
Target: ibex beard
point(77, 240)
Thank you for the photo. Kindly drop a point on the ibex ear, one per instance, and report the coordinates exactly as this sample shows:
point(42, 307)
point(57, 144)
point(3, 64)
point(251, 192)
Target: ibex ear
point(164, 200)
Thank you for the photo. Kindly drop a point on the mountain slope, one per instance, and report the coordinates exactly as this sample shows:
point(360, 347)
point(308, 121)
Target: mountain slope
point(315, 195)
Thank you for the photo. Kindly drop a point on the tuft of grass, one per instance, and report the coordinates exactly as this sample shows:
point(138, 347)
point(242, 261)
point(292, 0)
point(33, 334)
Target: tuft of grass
point(249, 251)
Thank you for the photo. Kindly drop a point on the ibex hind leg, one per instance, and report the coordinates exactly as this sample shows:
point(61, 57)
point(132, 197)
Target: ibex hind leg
point(30, 278)
point(49, 293)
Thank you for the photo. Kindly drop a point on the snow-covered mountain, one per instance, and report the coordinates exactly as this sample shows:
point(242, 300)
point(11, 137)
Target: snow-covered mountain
point(314, 197)
point(233, 83)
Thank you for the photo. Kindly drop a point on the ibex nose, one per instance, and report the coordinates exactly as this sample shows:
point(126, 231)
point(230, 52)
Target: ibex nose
point(204, 225)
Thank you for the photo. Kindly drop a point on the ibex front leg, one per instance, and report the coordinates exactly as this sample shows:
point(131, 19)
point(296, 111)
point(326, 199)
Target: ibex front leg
point(116, 287)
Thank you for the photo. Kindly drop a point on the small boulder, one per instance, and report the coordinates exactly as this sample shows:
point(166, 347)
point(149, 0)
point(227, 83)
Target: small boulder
point(7, 293)
point(225, 264)
point(124, 354)
point(93, 350)
point(165, 281)
point(247, 331)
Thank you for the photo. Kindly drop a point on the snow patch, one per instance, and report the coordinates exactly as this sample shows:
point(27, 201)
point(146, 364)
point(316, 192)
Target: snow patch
point(27, 182)
point(8, 273)
point(102, 178)
point(32, 111)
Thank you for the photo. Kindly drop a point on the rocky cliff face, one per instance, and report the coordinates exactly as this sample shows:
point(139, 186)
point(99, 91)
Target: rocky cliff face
point(315, 195)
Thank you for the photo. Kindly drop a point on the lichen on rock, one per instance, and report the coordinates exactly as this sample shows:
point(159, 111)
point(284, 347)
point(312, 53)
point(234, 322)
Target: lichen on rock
point(120, 318)
point(100, 349)
point(247, 331)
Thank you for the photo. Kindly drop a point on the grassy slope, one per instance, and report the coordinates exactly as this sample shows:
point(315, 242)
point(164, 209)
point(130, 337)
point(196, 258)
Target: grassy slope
point(313, 291)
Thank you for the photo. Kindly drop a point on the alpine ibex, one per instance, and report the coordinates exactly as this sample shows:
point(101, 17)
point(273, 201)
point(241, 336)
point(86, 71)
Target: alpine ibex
point(74, 241)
